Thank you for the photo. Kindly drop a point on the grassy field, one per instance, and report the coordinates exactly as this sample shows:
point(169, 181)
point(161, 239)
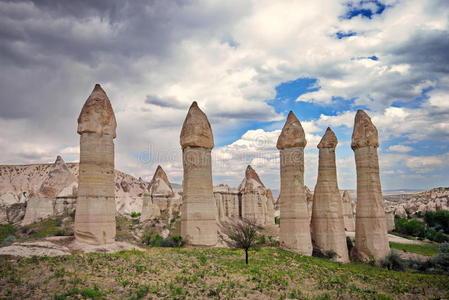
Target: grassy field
point(424, 249)
point(183, 273)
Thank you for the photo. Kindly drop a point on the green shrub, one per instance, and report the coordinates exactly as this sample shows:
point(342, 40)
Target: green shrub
point(277, 220)
point(135, 214)
point(441, 261)
point(438, 220)
point(436, 236)
point(393, 261)
point(411, 227)
point(157, 241)
point(174, 242)
point(6, 231)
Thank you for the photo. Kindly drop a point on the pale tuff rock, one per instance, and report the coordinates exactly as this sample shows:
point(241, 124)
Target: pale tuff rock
point(431, 200)
point(292, 134)
point(95, 208)
point(161, 190)
point(269, 216)
point(295, 222)
point(18, 183)
point(159, 196)
point(150, 210)
point(228, 202)
point(42, 205)
point(58, 178)
point(254, 200)
point(199, 211)
point(348, 214)
point(389, 218)
point(364, 133)
point(97, 115)
point(328, 232)
point(371, 241)
point(196, 130)
point(38, 208)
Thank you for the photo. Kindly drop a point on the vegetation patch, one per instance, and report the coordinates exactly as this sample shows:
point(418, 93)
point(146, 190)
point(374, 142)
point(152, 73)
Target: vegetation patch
point(423, 249)
point(217, 273)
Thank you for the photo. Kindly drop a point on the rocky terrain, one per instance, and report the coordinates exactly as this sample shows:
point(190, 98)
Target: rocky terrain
point(406, 204)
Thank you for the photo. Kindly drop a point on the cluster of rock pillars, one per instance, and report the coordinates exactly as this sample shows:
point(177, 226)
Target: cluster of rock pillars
point(95, 211)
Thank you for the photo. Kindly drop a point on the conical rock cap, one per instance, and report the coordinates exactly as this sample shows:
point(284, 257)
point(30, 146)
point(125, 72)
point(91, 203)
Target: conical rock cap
point(365, 133)
point(292, 134)
point(97, 115)
point(329, 140)
point(196, 130)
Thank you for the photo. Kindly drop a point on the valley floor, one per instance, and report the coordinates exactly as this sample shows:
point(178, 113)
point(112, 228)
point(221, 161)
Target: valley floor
point(184, 273)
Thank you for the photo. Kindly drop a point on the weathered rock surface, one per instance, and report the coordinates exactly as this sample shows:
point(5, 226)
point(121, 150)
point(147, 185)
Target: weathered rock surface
point(328, 231)
point(295, 221)
point(95, 207)
point(348, 212)
point(254, 199)
point(228, 202)
point(412, 203)
point(199, 211)
point(42, 205)
point(371, 240)
point(159, 197)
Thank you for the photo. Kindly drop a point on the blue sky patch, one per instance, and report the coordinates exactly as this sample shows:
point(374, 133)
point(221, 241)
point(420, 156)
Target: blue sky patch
point(364, 8)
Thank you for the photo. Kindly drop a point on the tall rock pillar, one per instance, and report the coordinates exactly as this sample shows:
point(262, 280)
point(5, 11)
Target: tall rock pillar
point(95, 207)
point(328, 230)
point(294, 217)
point(199, 210)
point(348, 214)
point(371, 241)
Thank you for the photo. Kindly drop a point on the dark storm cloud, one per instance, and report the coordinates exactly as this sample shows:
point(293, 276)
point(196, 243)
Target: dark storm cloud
point(427, 51)
point(171, 102)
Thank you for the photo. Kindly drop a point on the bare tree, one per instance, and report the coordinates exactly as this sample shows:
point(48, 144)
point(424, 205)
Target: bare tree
point(242, 234)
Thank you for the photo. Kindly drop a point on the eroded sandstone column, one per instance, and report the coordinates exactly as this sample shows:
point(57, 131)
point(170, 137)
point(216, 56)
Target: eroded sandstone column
point(199, 210)
point(95, 207)
point(294, 217)
point(328, 229)
point(348, 214)
point(371, 241)
point(254, 198)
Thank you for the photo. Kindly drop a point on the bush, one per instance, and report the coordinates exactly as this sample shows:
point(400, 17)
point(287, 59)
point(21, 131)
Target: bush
point(175, 241)
point(436, 236)
point(135, 214)
point(411, 227)
point(441, 261)
point(6, 231)
point(277, 220)
point(349, 244)
point(157, 241)
point(393, 261)
point(439, 220)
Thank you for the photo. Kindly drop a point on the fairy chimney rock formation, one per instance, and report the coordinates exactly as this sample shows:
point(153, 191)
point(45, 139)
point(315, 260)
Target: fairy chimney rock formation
point(199, 210)
point(254, 198)
point(158, 197)
point(328, 231)
point(348, 215)
point(295, 223)
point(41, 204)
point(95, 208)
point(371, 241)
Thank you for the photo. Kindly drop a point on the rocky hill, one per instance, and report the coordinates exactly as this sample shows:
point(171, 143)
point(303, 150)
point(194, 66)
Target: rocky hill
point(52, 189)
point(409, 203)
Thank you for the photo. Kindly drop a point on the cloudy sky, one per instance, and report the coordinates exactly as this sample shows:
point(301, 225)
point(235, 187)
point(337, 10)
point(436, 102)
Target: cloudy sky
point(247, 63)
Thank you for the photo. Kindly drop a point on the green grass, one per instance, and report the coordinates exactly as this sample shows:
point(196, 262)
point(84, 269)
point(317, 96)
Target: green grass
point(184, 273)
point(6, 230)
point(424, 249)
